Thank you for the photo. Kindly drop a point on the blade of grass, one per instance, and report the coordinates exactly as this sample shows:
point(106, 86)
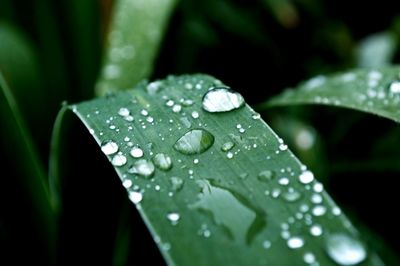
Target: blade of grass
point(371, 91)
point(33, 176)
point(217, 207)
point(136, 31)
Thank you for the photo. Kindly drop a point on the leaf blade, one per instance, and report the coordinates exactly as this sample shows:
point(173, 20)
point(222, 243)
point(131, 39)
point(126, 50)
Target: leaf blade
point(221, 213)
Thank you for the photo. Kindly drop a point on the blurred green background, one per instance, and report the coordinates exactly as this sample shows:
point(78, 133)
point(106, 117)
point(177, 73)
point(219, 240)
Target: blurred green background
point(51, 51)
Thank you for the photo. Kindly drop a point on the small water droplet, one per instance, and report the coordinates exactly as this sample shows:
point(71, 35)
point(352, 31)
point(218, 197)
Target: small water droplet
point(135, 196)
point(316, 198)
point(118, 160)
point(154, 87)
point(265, 175)
point(283, 147)
point(318, 187)
point(266, 244)
point(256, 116)
point(143, 168)
point(309, 258)
point(195, 141)
point(136, 152)
point(222, 99)
point(316, 230)
point(319, 210)
point(176, 108)
point(127, 183)
point(173, 217)
point(229, 155)
point(162, 161)
point(144, 112)
point(227, 146)
point(295, 242)
point(336, 211)
point(284, 181)
point(123, 111)
point(176, 183)
point(306, 177)
point(394, 87)
point(291, 195)
point(195, 114)
point(109, 147)
point(345, 250)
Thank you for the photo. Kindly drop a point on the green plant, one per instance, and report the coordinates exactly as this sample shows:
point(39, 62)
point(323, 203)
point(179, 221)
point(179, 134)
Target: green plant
point(212, 182)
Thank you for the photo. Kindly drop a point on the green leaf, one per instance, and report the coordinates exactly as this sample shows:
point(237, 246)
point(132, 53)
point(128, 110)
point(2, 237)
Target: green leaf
point(239, 198)
point(136, 32)
point(371, 91)
point(18, 144)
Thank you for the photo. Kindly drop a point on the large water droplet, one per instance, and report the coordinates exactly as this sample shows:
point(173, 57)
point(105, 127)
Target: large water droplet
point(162, 161)
point(224, 207)
point(394, 87)
point(194, 142)
point(109, 147)
point(222, 99)
point(295, 242)
point(345, 250)
point(143, 168)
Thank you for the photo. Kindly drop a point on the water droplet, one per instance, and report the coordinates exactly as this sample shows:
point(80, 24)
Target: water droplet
point(195, 141)
point(143, 168)
point(319, 210)
point(295, 242)
point(135, 196)
point(229, 155)
point(394, 87)
point(195, 114)
point(109, 147)
point(309, 258)
point(222, 99)
point(291, 195)
point(118, 160)
point(345, 250)
point(176, 183)
point(173, 217)
point(283, 147)
point(318, 187)
point(162, 161)
point(316, 198)
point(154, 87)
point(144, 112)
point(336, 211)
point(316, 230)
point(223, 205)
point(136, 152)
point(284, 181)
point(306, 177)
point(265, 175)
point(123, 111)
point(227, 146)
point(176, 108)
point(256, 116)
point(266, 244)
point(127, 183)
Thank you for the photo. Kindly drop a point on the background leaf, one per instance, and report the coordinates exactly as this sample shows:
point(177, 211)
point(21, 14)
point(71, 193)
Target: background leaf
point(244, 200)
point(372, 91)
point(136, 32)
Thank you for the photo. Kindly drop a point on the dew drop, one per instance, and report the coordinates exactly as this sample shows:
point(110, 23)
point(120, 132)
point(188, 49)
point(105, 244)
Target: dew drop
point(291, 195)
point(295, 242)
point(135, 196)
point(136, 152)
point(222, 99)
point(284, 181)
point(109, 147)
point(176, 183)
point(127, 183)
point(173, 217)
point(162, 161)
point(176, 108)
point(265, 175)
point(229, 155)
point(319, 210)
point(283, 147)
point(345, 250)
point(256, 116)
point(143, 168)
point(306, 177)
point(227, 146)
point(394, 87)
point(195, 114)
point(309, 258)
point(316, 230)
point(266, 244)
point(195, 141)
point(118, 160)
point(154, 87)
